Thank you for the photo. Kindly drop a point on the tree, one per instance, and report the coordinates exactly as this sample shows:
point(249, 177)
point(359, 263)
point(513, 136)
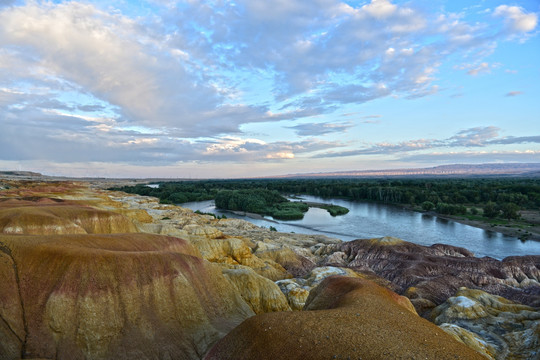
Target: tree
point(491, 210)
point(510, 211)
point(427, 205)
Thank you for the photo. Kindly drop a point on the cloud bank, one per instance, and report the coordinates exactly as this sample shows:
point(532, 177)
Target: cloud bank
point(163, 83)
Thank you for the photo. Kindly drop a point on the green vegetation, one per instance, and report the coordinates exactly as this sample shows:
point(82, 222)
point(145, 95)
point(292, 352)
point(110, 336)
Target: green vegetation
point(261, 201)
point(173, 193)
point(484, 198)
point(334, 210)
point(428, 205)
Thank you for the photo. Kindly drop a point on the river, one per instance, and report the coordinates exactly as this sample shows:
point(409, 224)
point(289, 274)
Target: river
point(371, 220)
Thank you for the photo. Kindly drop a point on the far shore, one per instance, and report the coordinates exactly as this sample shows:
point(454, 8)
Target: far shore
point(533, 233)
point(530, 233)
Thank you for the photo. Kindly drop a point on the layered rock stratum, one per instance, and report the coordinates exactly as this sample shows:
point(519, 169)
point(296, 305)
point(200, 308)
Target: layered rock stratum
point(93, 274)
point(91, 287)
point(429, 275)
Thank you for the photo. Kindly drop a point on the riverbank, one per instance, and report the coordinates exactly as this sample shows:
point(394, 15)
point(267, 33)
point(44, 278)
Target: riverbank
point(527, 228)
point(516, 229)
point(249, 215)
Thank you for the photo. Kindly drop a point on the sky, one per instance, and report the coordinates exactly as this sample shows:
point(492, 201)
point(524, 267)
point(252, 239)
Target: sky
point(247, 88)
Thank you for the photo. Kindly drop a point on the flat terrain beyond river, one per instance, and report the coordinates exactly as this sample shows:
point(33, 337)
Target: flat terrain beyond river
point(370, 220)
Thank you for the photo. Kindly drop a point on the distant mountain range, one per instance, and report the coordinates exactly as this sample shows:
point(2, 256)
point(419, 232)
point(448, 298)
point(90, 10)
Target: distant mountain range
point(516, 169)
point(456, 170)
point(20, 173)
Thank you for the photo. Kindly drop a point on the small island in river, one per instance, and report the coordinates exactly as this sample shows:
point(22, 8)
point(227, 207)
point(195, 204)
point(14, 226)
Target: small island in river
point(270, 202)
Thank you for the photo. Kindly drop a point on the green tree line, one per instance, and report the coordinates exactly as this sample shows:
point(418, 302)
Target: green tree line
point(493, 197)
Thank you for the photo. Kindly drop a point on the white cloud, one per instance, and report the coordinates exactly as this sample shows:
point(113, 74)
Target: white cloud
point(116, 60)
point(480, 68)
point(516, 18)
point(317, 129)
point(474, 156)
point(178, 72)
point(476, 137)
point(380, 8)
point(280, 155)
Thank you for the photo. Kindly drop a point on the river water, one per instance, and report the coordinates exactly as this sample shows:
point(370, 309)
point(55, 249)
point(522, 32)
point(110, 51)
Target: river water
point(371, 220)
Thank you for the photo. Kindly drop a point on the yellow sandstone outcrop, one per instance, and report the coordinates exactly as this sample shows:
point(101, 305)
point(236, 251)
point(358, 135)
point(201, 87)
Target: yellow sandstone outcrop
point(262, 294)
point(235, 251)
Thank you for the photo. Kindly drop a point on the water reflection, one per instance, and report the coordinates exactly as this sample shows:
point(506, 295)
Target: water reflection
point(443, 221)
point(368, 220)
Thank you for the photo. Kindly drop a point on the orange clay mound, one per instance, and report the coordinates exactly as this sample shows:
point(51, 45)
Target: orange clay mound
point(124, 296)
point(344, 318)
point(45, 216)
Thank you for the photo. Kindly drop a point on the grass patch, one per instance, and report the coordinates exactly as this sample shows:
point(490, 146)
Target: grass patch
point(288, 211)
point(335, 210)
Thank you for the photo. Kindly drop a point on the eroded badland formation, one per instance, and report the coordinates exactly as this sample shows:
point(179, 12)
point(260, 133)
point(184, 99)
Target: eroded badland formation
point(92, 274)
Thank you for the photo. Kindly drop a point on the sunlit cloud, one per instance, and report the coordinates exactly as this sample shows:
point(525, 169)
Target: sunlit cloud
point(281, 155)
point(516, 19)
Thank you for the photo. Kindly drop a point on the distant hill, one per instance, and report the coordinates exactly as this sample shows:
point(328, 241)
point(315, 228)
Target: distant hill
point(516, 169)
point(20, 173)
point(456, 170)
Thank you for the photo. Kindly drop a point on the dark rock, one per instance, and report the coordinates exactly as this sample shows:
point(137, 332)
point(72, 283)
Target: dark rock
point(436, 272)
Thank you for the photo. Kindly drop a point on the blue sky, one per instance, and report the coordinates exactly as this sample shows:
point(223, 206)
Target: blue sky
point(266, 87)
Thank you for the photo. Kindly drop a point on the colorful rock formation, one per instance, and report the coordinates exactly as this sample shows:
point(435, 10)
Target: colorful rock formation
point(344, 318)
point(44, 216)
point(261, 294)
point(89, 292)
point(121, 296)
point(94, 274)
point(493, 325)
point(430, 275)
